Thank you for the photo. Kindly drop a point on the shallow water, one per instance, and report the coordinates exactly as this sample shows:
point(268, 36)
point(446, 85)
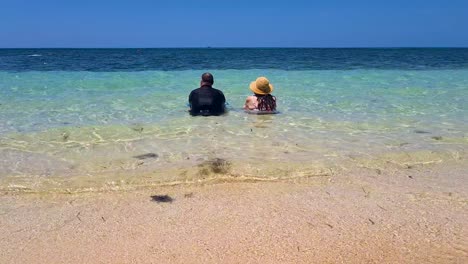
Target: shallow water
point(62, 128)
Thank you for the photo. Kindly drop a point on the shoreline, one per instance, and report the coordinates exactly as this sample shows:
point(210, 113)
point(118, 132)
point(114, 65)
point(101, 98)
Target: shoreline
point(134, 174)
point(404, 216)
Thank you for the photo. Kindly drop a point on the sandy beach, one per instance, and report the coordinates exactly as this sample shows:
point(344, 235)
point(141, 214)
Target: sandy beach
point(413, 215)
point(277, 132)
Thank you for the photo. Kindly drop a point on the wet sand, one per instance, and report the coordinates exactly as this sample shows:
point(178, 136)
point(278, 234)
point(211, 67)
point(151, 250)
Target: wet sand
point(413, 215)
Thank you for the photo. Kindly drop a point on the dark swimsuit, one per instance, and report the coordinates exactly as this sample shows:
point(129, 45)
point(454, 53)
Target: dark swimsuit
point(207, 101)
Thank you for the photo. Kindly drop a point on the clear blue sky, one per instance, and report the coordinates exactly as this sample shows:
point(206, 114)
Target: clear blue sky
point(241, 23)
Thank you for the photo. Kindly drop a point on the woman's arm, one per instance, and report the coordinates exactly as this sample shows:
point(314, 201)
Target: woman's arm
point(250, 103)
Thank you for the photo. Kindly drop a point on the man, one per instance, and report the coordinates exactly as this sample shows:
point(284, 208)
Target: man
point(207, 100)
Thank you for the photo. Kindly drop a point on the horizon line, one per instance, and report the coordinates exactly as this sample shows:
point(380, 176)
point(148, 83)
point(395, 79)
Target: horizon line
point(259, 47)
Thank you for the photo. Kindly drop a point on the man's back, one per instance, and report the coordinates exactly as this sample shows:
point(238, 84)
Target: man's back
point(206, 101)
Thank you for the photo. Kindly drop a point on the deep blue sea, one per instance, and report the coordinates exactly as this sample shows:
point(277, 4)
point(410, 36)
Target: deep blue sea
point(81, 118)
point(172, 59)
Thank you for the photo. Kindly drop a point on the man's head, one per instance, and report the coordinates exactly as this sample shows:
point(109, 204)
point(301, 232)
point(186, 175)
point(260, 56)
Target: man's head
point(207, 79)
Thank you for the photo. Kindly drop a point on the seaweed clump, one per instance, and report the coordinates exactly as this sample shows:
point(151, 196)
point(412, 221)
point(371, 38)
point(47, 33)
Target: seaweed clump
point(217, 165)
point(162, 198)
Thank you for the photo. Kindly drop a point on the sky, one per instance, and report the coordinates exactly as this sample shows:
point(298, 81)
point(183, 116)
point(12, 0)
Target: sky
point(241, 23)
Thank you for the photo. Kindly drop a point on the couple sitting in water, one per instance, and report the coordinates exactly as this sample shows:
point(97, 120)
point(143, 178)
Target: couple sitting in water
point(207, 100)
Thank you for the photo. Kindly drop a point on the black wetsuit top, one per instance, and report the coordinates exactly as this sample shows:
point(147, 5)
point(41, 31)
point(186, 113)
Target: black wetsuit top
point(206, 101)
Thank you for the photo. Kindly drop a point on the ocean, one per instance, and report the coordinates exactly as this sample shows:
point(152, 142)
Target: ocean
point(75, 120)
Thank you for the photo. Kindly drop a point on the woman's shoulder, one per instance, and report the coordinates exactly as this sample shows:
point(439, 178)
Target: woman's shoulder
point(251, 98)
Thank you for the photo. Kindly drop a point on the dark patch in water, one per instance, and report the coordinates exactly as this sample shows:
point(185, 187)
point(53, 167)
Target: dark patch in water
point(146, 156)
point(437, 138)
point(204, 171)
point(215, 165)
point(162, 198)
point(421, 132)
point(183, 173)
point(65, 136)
point(138, 129)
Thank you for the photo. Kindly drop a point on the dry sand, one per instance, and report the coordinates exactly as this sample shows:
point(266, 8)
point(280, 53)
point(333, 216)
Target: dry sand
point(418, 215)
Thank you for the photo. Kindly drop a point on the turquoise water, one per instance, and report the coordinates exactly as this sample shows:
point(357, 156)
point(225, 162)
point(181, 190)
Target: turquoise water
point(73, 129)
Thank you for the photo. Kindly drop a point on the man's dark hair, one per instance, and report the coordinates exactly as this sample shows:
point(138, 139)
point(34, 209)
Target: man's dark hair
point(207, 78)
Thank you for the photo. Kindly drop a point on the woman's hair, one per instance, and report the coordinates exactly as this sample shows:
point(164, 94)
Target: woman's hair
point(266, 102)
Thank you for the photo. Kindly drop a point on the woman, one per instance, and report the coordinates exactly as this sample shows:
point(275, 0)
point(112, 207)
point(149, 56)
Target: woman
point(262, 102)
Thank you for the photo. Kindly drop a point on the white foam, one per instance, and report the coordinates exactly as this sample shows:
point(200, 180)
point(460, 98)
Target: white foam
point(35, 55)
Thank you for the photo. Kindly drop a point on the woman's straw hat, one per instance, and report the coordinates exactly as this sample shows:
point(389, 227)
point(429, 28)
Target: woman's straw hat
point(261, 86)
